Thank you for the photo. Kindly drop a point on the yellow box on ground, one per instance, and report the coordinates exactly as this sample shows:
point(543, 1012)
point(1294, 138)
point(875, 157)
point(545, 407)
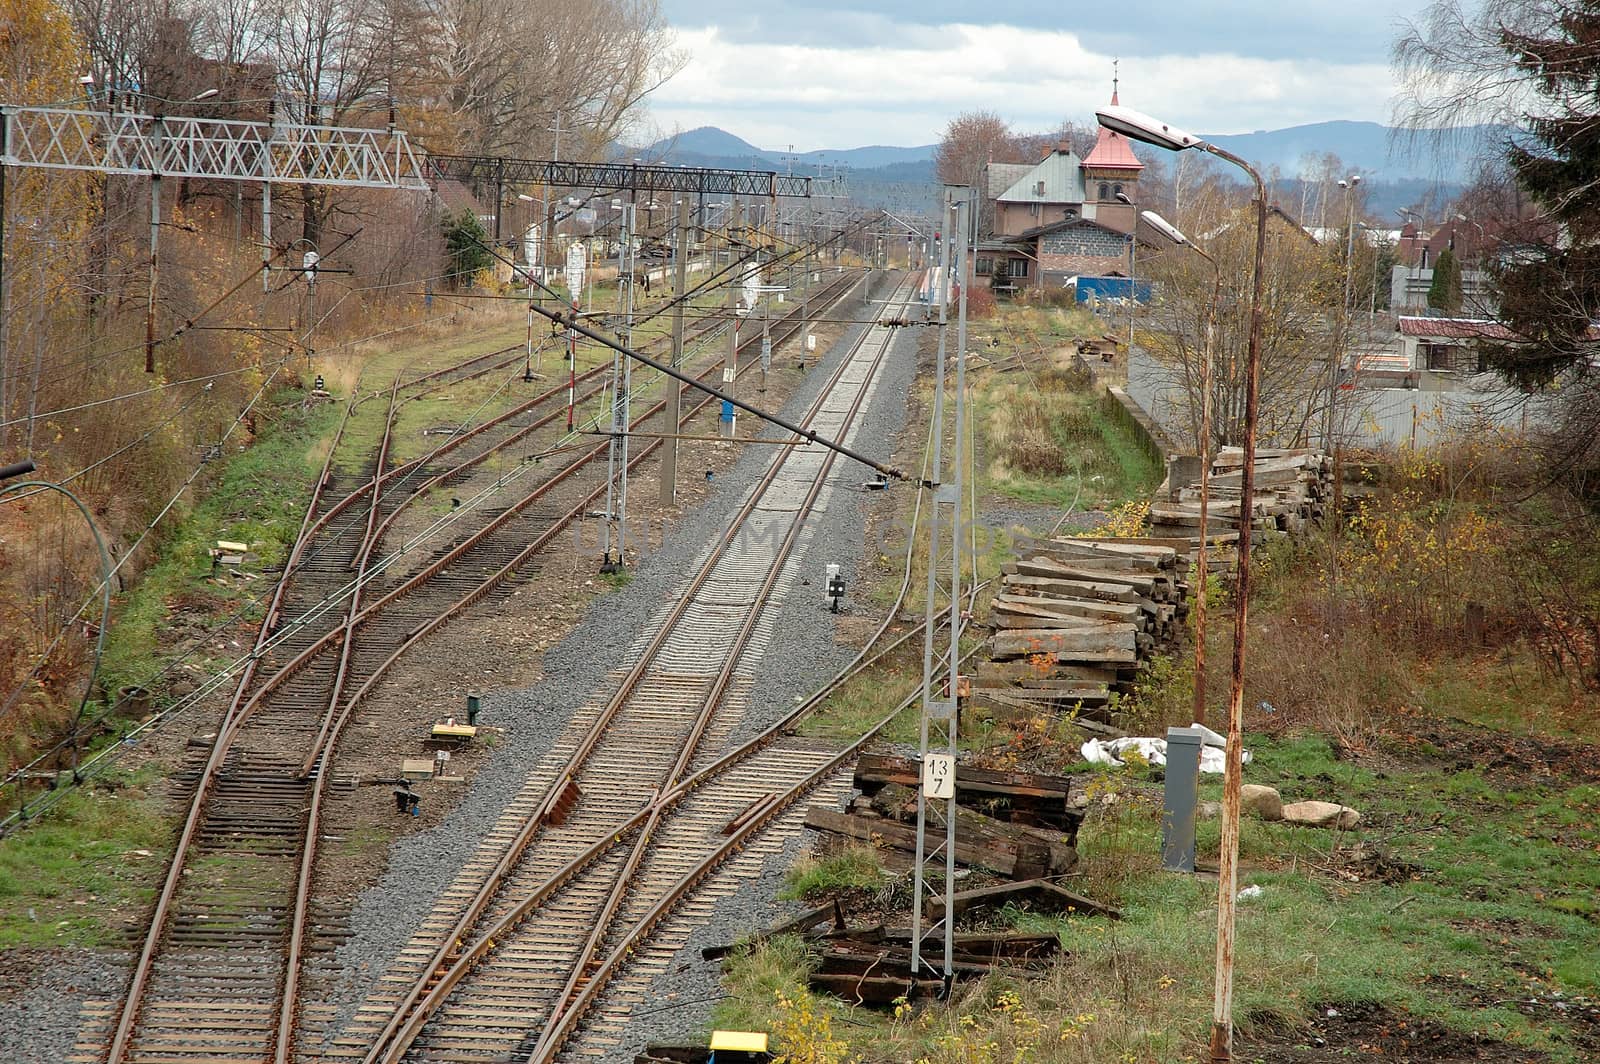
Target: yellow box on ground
point(739, 1041)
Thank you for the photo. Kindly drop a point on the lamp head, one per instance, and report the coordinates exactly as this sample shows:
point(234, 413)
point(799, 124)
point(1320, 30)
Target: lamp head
point(1164, 227)
point(1141, 127)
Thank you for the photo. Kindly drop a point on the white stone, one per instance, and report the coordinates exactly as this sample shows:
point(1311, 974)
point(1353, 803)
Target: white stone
point(1322, 815)
point(1265, 802)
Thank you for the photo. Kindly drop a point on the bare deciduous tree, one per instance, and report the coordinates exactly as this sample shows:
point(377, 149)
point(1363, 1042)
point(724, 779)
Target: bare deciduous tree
point(1302, 296)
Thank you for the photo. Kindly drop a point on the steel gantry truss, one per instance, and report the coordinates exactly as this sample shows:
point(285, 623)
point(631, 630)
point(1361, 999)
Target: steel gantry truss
point(135, 144)
point(638, 177)
point(933, 879)
point(291, 153)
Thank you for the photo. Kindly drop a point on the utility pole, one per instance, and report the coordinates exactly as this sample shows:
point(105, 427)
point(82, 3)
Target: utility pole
point(680, 285)
point(546, 238)
point(155, 257)
point(805, 284)
point(936, 803)
point(5, 277)
point(621, 383)
point(730, 370)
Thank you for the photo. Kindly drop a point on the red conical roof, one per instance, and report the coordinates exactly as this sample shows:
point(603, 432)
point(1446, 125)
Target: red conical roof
point(1111, 150)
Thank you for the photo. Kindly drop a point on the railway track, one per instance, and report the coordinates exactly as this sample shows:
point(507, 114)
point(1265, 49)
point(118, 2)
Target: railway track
point(217, 977)
point(600, 835)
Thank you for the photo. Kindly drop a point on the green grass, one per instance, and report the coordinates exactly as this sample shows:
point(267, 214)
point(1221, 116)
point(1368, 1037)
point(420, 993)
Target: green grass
point(854, 867)
point(258, 498)
point(86, 866)
point(1048, 441)
point(1501, 906)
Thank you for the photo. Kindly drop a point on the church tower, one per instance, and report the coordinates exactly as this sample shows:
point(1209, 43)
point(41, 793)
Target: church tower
point(1111, 168)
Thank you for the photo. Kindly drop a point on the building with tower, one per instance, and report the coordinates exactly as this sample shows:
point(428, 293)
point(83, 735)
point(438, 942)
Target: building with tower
point(1061, 217)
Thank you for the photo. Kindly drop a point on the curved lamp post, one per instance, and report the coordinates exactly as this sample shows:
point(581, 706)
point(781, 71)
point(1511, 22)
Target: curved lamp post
point(23, 469)
point(1208, 359)
point(1141, 127)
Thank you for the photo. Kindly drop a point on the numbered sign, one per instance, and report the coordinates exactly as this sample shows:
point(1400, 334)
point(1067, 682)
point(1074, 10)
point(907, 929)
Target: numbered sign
point(939, 776)
point(576, 261)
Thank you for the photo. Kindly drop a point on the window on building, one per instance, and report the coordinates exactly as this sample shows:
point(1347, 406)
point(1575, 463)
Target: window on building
point(1033, 209)
point(1105, 191)
point(1116, 190)
point(984, 266)
point(1482, 361)
point(1038, 189)
point(1017, 268)
point(1439, 356)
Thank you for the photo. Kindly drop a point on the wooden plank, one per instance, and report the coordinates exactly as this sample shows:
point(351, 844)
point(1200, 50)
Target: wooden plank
point(1107, 642)
point(1016, 582)
point(1046, 567)
point(874, 989)
point(1042, 895)
point(1004, 857)
point(1120, 611)
point(999, 673)
point(879, 769)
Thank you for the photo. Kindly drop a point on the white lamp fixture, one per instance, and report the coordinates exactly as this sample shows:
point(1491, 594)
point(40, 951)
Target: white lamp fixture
point(1164, 227)
point(1136, 125)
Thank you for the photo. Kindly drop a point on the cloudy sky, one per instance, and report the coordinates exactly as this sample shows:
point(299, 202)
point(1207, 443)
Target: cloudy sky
point(826, 74)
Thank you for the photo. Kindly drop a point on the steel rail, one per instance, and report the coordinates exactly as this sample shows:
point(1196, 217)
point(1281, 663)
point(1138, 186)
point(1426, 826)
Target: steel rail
point(237, 714)
point(714, 697)
point(332, 731)
point(556, 1032)
point(289, 994)
point(440, 478)
point(128, 1017)
point(468, 956)
point(566, 776)
point(460, 439)
point(445, 560)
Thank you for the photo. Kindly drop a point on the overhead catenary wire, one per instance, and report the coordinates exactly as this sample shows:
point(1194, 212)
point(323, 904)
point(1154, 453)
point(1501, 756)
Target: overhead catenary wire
point(190, 481)
point(307, 615)
point(570, 320)
point(129, 553)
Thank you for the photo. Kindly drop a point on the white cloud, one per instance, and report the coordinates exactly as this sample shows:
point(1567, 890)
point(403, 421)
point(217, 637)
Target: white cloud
point(774, 94)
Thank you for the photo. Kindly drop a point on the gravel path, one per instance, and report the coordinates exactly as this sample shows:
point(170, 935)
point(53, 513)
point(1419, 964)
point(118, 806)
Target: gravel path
point(806, 653)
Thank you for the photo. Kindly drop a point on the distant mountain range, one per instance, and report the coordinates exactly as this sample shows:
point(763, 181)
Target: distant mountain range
point(721, 147)
point(1401, 168)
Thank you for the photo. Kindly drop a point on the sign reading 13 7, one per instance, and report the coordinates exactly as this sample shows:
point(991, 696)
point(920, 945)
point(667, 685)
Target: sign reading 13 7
point(939, 776)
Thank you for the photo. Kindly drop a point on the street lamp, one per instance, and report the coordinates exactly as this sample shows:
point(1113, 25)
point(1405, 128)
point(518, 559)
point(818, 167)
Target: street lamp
point(1172, 233)
point(1142, 127)
point(1330, 417)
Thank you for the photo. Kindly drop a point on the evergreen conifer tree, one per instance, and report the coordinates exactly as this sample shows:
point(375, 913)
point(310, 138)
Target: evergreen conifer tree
point(1551, 297)
point(1444, 291)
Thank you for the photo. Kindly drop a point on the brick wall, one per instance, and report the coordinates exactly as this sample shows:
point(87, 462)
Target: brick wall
point(1084, 265)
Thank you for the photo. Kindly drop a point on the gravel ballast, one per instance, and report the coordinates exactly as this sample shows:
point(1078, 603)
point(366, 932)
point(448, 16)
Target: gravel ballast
point(804, 653)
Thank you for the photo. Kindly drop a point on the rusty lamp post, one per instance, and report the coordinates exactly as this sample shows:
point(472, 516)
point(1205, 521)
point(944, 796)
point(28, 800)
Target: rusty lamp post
point(1208, 360)
point(1141, 127)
